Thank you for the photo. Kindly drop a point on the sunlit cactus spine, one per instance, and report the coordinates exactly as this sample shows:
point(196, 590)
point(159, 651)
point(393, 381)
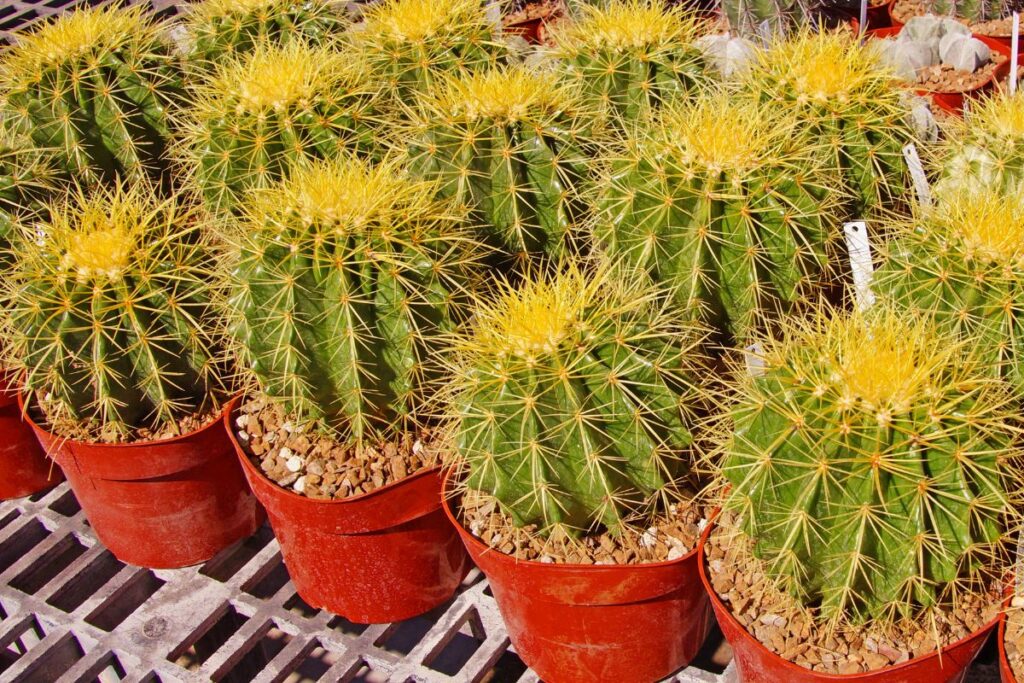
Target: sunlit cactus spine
point(728, 202)
point(872, 463)
point(411, 43)
point(220, 29)
point(631, 55)
point(986, 149)
point(573, 398)
point(513, 143)
point(850, 101)
point(96, 86)
point(260, 113)
point(110, 311)
point(341, 282)
point(28, 177)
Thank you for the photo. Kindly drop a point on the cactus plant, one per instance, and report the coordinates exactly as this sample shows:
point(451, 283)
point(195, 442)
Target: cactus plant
point(260, 113)
point(729, 202)
point(95, 86)
point(512, 143)
point(975, 11)
point(630, 55)
point(764, 17)
point(573, 397)
point(341, 280)
point(984, 150)
point(109, 307)
point(28, 175)
point(849, 99)
point(870, 462)
point(409, 43)
point(220, 29)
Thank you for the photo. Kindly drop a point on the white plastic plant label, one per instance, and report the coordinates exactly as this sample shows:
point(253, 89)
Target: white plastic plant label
point(859, 247)
point(863, 16)
point(1014, 48)
point(754, 356)
point(921, 187)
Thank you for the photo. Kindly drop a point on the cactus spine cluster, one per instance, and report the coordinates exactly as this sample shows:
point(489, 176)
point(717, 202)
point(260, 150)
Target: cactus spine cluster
point(220, 29)
point(342, 279)
point(727, 202)
point(848, 99)
point(631, 55)
point(573, 399)
point(410, 43)
point(975, 11)
point(260, 113)
point(109, 311)
point(985, 150)
point(764, 17)
point(512, 143)
point(28, 175)
point(870, 464)
point(95, 86)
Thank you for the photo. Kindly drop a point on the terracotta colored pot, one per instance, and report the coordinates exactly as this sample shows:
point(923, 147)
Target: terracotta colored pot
point(757, 664)
point(24, 467)
point(1005, 672)
point(374, 558)
point(575, 623)
point(160, 504)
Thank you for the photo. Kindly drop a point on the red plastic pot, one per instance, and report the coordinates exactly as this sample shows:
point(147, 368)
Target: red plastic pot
point(374, 558)
point(757, 664)
point(24, 467)
point(573, 623)
point(159, 504)
point(1005, 672)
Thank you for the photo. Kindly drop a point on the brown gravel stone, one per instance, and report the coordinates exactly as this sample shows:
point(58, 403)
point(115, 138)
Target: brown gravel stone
point(1015, 641)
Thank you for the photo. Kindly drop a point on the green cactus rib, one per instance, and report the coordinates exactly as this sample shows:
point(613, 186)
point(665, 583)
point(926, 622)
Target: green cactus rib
point(728, 204)
point(95, 86)
point(870, 464)
point(342, 281)
point(109, 307)
point(986, 153)
point(411, 43)
point(260, 113)
point(573, 399)
point(28, 176)
point(630, 55)
point(511, 143)
point(221, 29)
point(975, 11)
point(746, 17)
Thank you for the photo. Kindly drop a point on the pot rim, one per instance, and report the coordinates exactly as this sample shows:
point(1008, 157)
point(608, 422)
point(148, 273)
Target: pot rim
point(722, 608)
point(479, 546)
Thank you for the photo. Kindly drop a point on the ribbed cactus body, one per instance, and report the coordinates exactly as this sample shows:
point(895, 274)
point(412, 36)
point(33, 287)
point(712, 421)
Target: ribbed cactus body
point(220, 29)
point(344, 277)
point(109, 307)
point(512, 143)
point(850, 101)
point(870, 464)
point(974, 10)
point(573, 399)
point(762, 17)
point(986, 151)
point(259, 114)
point(411, 43)
point(728, 204)
point(95, 86)
point(28, 175)
point(631, 55)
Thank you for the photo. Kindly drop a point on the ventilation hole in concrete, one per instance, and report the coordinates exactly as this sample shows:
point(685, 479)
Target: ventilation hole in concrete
point(487, 591)
point(227, 563)
point(20, 542)
point(106, 670)
point(298, 605)
point(19, 641)
point(3, 612)
point(318, 661)
point(57, 659)
point(362, 672)
point(125, 600)
point(402, 637)
point(261, 653)
point(452, 653)
point(343, 625)
point(51, 563)
point(508, 669)
point(8, 518)
point(66, 505)
point(85, 584)
point(268, 581)
point(201, 644)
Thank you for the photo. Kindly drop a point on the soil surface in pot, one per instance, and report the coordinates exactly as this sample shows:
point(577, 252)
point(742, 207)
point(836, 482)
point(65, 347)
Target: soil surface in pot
point(1014, 642)
point(319, 467)
point(904, 10)
point(944, 78)
point(522, 12)
point(668, 537)
point(779, 623)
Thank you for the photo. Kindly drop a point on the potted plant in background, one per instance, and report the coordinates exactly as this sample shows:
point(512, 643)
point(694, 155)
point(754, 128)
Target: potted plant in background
point(109, 314)
point(984, 151)
point(340, 281)
point(572, 400)
point(869, 498)
point(989, 18)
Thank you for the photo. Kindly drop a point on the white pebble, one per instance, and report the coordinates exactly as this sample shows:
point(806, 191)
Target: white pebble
point(270, 438)
point(547, 559)
point(300, 485)
point(285, 453)
point(417, 446)
point(649, 537)
point(676, 551)
point(242, 421)
point(702, 525)
point(243, 436)
point(1018, 601)
point(287, 426)
point(294, 463)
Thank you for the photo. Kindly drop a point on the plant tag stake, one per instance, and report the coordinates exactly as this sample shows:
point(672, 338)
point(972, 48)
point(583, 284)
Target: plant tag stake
point(924, 192)
point(754, 355)
point(863, 16)
point(859, 246)
point(1014, 46)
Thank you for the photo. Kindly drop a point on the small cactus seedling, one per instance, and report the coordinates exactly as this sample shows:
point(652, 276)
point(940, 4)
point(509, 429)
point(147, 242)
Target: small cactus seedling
point(870, 462)
point(850, 101)
point(962, 261)
point(573, 399)
point(109, 307)
point(342, 279)
point(631, 55)
point(220, 29)
point(512, 143)
point(95, 86)
point(259, 113)
point(409, 43)
point(727, 201)
point(984, 150)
